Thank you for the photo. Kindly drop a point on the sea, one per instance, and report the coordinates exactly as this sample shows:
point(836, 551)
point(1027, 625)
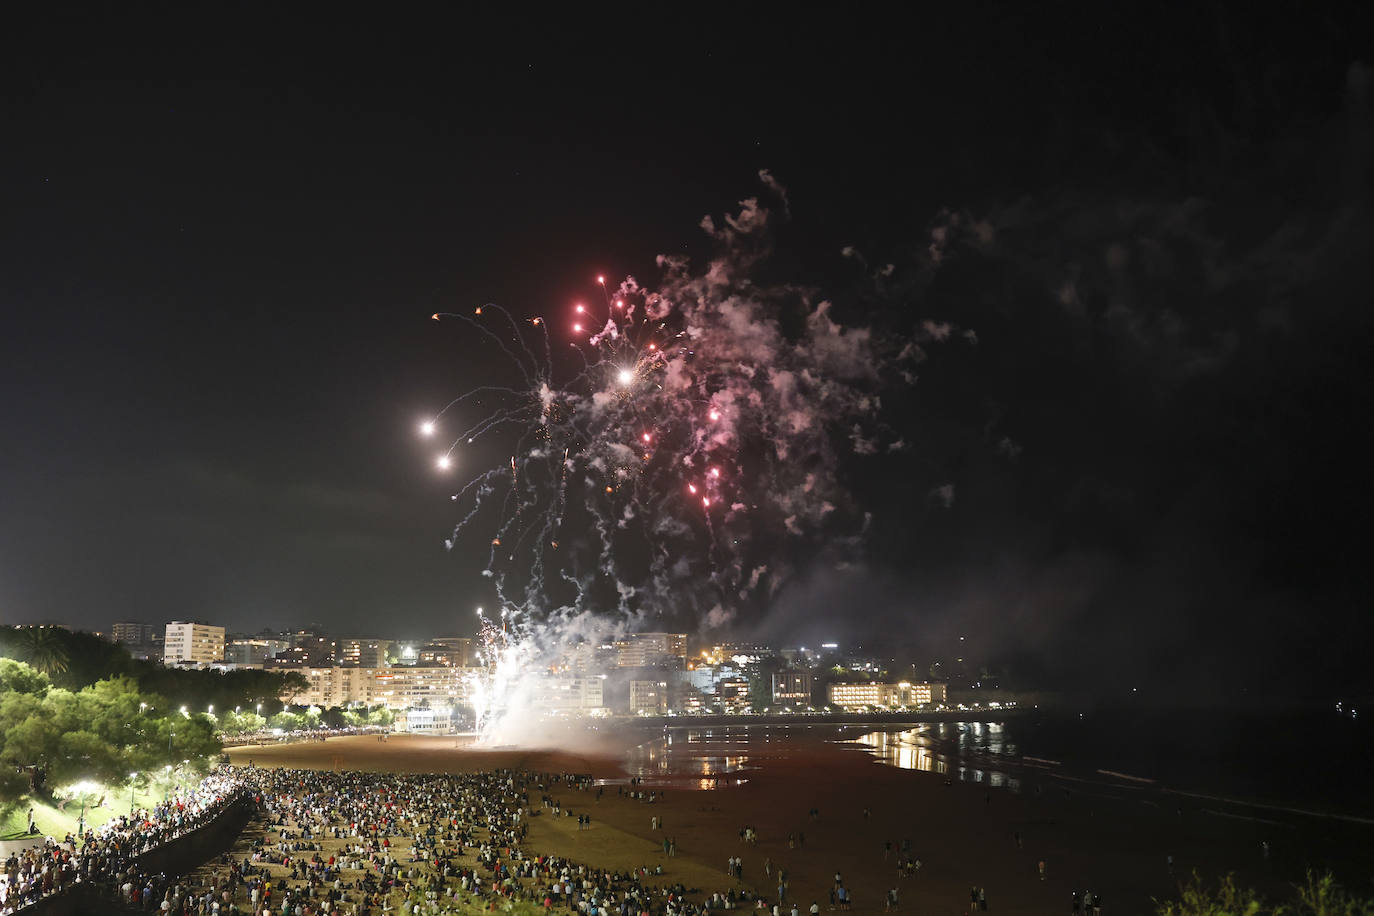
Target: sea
point(1266, 763)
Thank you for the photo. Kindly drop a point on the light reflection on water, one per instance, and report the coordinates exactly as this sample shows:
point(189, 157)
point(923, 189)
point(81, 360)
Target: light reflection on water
point(968, 751)
point(717, 757)
point(704, 758)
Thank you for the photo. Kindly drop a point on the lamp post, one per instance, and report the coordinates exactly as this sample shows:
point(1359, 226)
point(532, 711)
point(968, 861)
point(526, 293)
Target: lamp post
point(132, 785)
point(170, 736)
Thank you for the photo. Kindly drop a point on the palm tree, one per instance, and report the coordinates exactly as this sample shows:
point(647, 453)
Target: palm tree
point(44, 650)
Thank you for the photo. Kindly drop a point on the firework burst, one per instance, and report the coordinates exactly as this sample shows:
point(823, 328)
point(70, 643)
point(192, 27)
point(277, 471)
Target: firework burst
point(683, 467)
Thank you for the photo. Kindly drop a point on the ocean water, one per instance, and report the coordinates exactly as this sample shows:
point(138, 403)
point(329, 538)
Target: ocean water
point(1314, 759)
point(1301, 761)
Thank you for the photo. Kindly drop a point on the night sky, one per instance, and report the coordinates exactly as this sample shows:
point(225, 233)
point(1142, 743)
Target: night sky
point(221, 242)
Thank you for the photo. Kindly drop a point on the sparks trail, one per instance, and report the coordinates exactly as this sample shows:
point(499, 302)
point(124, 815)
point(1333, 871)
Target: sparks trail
point(686, 465)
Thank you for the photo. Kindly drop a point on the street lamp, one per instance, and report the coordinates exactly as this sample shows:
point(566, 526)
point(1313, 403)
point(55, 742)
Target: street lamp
point(170, 736)
point(132, 777)
point(211, 710)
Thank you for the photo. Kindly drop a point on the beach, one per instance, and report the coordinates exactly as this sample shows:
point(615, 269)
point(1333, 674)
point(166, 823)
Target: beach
point(840, 807)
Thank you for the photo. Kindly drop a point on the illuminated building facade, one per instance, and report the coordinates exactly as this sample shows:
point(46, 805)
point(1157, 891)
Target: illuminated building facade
point(131, 633)
point(652, 650)
point(252, 651)
point(648, 697)
point(459, 649)
point(362, 652)
point(189, 643)
point(792, 688)
point(732, 693)
point(571, 694)
point(854, 696)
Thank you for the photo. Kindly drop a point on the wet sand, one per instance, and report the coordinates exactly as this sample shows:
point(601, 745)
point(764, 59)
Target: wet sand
point(964, 835)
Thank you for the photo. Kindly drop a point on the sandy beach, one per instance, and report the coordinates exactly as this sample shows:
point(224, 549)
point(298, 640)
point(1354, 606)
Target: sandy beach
point(965, 836)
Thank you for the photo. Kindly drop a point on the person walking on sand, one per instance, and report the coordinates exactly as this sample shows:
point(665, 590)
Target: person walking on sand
point(1042, 869)
point(983, 899)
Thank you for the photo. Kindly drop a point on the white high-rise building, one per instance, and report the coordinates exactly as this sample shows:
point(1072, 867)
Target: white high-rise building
point(199, 644)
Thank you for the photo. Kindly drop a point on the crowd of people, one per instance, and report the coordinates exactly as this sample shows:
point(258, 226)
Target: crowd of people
point(352, 843)
point(361, 844)
point(109, 856)
point(278, 736)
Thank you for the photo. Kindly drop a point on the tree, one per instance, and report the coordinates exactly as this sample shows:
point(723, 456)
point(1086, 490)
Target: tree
point(1195, 899)
point(287, 721)
point(102, 731)
point(238, 723)
point(86, 755)
point(74, 660)
point(43, 649)
point(17, 677)
point(760, 675)
point(1319, 895)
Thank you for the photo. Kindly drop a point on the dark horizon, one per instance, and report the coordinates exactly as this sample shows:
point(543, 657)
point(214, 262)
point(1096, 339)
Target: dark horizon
point(1134, 249)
